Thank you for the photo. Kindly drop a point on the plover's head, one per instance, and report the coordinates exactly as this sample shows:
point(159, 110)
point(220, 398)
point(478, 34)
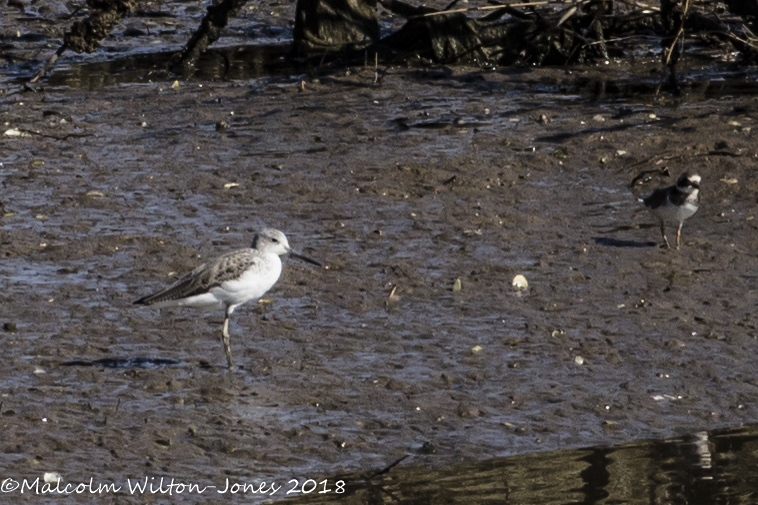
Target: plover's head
point(688, 182)
point(271, 240)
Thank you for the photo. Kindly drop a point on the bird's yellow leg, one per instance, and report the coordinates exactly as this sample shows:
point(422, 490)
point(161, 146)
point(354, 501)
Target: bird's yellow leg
point(663, 234)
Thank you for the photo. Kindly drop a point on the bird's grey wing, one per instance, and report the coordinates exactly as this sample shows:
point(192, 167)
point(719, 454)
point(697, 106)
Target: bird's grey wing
point(187, 284)
point(229, 266)
point(205, 277)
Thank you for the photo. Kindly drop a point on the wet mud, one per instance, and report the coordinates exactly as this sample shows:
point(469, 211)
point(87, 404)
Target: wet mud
point(402, 188)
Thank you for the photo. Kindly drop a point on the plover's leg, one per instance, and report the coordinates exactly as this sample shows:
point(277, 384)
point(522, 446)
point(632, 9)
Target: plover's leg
point(663, 234)
point(227, 345)
point(679, 234)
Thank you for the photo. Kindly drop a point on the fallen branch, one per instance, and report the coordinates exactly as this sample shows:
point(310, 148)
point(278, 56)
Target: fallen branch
point(679, 34)
point(474, 9)
point(85, 36)
point(49, 63)
point(209, 32)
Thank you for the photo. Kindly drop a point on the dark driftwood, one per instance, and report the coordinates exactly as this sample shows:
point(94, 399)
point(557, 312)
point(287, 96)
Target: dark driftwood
point(209, 32)
point(527, 33)
point(334, 25)
point(509, 36)
point(85, 36)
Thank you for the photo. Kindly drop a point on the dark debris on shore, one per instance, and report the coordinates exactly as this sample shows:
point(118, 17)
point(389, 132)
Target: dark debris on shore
point(528, 33)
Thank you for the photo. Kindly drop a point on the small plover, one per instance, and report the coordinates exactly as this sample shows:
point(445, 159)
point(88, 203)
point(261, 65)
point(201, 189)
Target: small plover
point(675, 204)
point(230, 280)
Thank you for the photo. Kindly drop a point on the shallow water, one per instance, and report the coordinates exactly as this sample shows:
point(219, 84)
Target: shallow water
point(703, 468)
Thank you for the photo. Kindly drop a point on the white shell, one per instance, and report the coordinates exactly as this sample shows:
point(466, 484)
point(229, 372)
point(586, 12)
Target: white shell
point(519, 282)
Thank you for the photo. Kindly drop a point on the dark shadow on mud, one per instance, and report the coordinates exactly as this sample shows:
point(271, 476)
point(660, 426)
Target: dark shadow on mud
point(614, 242)
point(702, 468)
point(237, 62)
point(563, 137)
point(140, 362)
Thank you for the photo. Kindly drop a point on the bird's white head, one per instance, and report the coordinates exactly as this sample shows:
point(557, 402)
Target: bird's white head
point(688, 182)
point(271, 241)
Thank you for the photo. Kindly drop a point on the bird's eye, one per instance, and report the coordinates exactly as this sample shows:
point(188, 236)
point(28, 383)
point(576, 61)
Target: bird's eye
point(275, 241)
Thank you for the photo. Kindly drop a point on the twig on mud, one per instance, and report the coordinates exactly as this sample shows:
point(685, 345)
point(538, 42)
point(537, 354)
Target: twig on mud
point(659, 157)
point(640, 4)
point(568, 14)
point(382, 75)
point(749, 32)
point(735, 38)
point(450, 5)
point(387, 468)
point(73, 13)
point(679, 33)
point(601, 37)
point(473, 9)
point(49, 63)
point(617, 39)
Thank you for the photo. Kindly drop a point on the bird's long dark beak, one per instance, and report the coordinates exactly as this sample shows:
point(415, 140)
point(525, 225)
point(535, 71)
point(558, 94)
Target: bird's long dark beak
point(306, 259)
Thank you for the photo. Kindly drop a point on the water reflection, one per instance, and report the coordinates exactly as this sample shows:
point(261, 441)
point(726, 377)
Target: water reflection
point(238, 62)
point(704, 468)
point(272, 59)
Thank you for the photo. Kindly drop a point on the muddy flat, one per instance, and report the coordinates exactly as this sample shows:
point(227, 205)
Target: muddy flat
point(425, 194)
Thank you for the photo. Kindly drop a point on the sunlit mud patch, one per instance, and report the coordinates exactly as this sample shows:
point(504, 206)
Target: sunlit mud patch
point(140, 362)
point(702, 468)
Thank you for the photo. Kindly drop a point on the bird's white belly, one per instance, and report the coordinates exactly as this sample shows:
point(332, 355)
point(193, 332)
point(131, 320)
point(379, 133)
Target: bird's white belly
point(251, 285)
point(687, 211)
point(206, 300)
point(676, 213)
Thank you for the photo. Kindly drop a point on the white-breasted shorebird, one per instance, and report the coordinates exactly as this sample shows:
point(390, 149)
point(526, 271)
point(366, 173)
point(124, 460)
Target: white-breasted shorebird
point(675, 204)
point(230, 280)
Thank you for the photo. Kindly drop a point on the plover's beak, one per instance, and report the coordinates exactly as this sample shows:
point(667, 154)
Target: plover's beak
point(305, 258)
